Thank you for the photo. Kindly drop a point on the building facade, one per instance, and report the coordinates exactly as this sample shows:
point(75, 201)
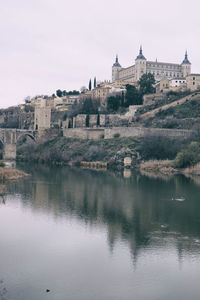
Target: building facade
point(142, 66)
point(193, 81)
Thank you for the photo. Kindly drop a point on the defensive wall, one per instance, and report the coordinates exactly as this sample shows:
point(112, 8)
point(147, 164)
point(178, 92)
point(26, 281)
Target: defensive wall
point(109, 133)
point(84, 133)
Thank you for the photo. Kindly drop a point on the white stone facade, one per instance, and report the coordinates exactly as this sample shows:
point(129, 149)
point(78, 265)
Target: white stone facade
point(142, 66)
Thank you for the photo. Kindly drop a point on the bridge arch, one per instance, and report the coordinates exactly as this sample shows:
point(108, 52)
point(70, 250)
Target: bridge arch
point(25, 134)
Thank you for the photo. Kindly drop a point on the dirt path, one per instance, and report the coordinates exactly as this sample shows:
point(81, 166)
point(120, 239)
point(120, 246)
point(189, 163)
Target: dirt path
point(153, 112)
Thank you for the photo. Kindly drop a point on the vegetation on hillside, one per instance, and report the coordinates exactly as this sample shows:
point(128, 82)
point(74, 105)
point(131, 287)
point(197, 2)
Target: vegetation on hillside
point(64, 150)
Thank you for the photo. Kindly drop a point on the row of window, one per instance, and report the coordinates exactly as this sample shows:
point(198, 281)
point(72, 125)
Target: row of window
point(164, 66)
point(171, 74)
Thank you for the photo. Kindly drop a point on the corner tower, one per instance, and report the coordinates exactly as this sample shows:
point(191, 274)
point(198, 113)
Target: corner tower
point(186, 66)
point(115, 69)
point(140, 65)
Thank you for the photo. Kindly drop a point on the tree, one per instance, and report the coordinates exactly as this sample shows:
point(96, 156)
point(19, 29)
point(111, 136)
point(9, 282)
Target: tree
point(90, 85)
point(59, 93)
point(87, 121)
point(113, 103)
point(95, 82)
point(146, 83)
point(133, 96)
point(98, 120)
point(90, 107)
point(64, 93)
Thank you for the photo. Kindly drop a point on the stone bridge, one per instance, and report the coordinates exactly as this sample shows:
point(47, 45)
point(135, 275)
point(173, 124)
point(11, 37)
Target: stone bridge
point(9, 138)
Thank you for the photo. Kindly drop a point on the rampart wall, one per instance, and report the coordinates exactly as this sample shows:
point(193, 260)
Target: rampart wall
point(109, 133)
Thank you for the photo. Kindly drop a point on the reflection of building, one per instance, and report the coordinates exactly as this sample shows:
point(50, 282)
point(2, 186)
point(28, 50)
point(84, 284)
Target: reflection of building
point(131, 210)
point(158, 69)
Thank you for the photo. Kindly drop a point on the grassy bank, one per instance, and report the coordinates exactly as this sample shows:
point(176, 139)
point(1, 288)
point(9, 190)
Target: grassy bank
point(184, 153)
point(70, 151)
point(11, 174)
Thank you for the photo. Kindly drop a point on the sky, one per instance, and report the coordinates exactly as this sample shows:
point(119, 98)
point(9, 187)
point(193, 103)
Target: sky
point(47, 45)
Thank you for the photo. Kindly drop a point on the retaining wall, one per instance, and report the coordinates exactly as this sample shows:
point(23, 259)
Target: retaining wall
point(109, 133)
point(139, 132)
point(84, 133)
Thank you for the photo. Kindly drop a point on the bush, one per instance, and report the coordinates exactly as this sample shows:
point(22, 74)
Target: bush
point(159, 147)
point(94, 153)
point(113, 103)
point(188, 156)
point(116, 135)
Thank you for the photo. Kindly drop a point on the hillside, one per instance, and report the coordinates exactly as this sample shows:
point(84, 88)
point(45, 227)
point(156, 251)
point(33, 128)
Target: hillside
point(182, 113)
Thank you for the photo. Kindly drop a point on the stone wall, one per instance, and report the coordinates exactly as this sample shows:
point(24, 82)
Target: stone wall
point(79, 121)
point(139, 132)
point(107, 120)
point(109, 133)
point(84, 133)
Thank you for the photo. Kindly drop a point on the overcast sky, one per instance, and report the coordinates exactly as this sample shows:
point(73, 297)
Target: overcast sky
point(50, 44)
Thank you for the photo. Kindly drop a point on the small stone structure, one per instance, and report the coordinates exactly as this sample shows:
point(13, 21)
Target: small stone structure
point(127, 162)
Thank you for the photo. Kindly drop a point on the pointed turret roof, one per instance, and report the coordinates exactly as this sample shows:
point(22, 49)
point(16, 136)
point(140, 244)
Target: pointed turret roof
point(186, 60)
point(140, 56)
point(116, 64)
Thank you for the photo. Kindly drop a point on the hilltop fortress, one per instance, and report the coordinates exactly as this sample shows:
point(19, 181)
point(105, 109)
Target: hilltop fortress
point(160, 70)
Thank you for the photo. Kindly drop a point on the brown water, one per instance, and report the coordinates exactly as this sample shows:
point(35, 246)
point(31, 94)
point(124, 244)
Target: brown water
point(95, 235)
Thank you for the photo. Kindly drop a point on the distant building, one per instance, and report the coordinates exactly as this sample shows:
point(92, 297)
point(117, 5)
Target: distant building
point(105, 89)
point(142, 66)
point(193, 82)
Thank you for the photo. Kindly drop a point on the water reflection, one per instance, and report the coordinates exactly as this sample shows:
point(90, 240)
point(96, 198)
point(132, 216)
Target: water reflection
point(145, 213)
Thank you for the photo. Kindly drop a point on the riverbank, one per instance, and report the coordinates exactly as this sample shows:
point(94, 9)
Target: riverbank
point(166, 167)
point(69, 151)
point(151, 153)
point(11, 174)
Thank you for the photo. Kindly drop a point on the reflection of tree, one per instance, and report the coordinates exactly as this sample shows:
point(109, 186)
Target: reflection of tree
point(139, 210)
point(3, 291)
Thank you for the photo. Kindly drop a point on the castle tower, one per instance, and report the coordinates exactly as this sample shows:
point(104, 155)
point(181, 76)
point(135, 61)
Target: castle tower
point(115, 69)
point(186, 66)
point(140, 65)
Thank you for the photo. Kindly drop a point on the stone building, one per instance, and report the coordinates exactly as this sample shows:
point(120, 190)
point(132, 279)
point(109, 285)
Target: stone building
point(158, 69)
point(42, 116)
point(193, 82)
point(104, 90)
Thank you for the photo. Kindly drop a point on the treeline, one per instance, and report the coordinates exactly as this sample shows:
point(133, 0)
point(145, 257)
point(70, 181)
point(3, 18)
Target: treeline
point(133, 95)
point(60, 93)
point(182, 152)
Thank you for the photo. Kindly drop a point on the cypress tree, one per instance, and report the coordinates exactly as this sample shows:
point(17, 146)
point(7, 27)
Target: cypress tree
point(95, 82)
point(90, 85)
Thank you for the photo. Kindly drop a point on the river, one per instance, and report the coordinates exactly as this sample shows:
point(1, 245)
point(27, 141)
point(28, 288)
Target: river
point(94, 235)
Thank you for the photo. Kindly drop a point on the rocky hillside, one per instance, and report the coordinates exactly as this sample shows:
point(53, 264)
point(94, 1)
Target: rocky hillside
point(182, 113)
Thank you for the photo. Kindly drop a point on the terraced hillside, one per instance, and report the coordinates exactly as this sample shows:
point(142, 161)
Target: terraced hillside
point(182, 113)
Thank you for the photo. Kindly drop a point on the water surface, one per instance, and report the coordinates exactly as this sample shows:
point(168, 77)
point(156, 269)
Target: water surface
point(87, 235)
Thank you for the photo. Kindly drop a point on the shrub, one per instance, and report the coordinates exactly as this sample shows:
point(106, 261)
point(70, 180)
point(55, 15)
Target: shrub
point(113, 103)
point(94, 153)
point(116, 135)
point(159, 147)
point(188, 156)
